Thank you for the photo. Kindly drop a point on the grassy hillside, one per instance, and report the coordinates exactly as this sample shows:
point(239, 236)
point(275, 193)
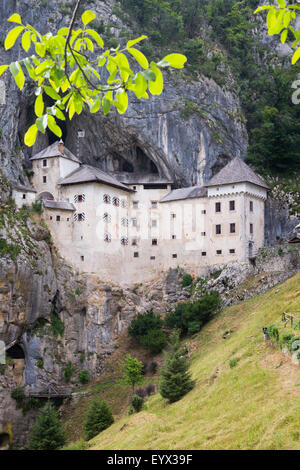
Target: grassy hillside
point(255, 405)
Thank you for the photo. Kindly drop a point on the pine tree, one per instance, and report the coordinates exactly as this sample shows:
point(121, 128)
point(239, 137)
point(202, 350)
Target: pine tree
point(48, 433)
point(176, 380)
point(98, 418)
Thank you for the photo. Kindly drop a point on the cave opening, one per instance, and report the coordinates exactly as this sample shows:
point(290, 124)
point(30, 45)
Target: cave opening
point(4, 440)
point(15, 352)
point(144, 163)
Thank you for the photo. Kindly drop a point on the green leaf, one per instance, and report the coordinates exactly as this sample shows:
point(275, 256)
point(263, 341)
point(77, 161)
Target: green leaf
point(149, 75)
point(59, 114)
point(54, 127)
point(134, 41)
point(15, 18)
point(39, 105)
point(18, 74)
point(26, 40)
point(284, 36)
point(40, 49)
point(30, 135)
point(14, 68)
point(122, 101)
point(87, 17)
point(139, 57)
point(3, 68)
point(106, 106)
point(140, 85)
point(281, 3)
point(95, 36)
point(176, 61)
point(264, 7)
point(156, 87)
point(296, 56)
point(12, 37)
point(52, 93)
point(96, 105)
point(41, 123)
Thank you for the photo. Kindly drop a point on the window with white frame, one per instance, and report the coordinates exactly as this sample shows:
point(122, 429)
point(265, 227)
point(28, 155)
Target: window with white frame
point(134, 222)
point(154, 223)
point(116, 201)
point(79, 198)
point(134, 242)
point(106, 199)
point(124, 241)
point(135, 204)
point(107, 237)
point(45, 163)
point(106, 217)
point(79, 217)
point(154, 204)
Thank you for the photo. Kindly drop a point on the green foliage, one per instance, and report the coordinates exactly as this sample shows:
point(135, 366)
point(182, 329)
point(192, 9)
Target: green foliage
point(233, 363)
point(98, 418)
point(68, 371)
point(273, 332)
point(144, 322)
point(37, 207)
point(18, 394)
point(132, 371)
point(48, 433)
point(191, 316)
point(175, 379)
point(57, 325)
point(137, 403)
point(9, 249)
point(66, 65)
point(40, 363)
point(154, 340)
point(84, 376)
point(187, 280)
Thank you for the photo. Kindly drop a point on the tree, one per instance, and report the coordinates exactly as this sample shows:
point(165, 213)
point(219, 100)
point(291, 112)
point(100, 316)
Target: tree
point(68, 68)
point(281, 19)
point(98, 418)
point(48, 433)
point(143, 323)
point(154, 340)
point(132, 371)
point(176, 380)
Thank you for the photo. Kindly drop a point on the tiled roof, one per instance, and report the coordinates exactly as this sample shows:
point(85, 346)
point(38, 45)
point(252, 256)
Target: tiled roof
point(62, 205)
point(25, 189)
point(236, 171)
point(54, 151)
point(88, 174)
point(141, 178)
point(185, 193)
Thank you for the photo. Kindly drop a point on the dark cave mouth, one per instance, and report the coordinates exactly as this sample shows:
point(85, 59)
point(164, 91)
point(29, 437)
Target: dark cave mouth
point(15, 352)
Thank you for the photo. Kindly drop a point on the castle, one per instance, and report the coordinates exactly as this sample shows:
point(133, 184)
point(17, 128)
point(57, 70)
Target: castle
point(130, 228)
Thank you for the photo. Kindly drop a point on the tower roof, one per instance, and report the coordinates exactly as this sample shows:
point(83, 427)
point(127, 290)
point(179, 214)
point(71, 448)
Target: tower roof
point(236, 171)
point(89, 174)
point(56, 150)
point(185, 193)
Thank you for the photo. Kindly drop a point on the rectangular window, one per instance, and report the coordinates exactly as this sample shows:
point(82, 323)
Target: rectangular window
point(136, 254)
point(50, 217)
point(58, 218)
point(232, 228)
point(218, 229)
point(44, 179)
point(174, 255)
point(219, 252)
point(81, 217)
point(251, 228)
point(82, 258)
point(152, 257)
point(232, 205)
point(24, 196)
point(203, 234)
point(218, 207)
point(203, 212)
point(134, 242)
point(173, 216)
point(154, 242)
point(44, 163)
point(134, 222)
point(232, 251)
point(173, 237)
point(154, 204)
point(203, 253)
point(135, 204)
point(154, 223)
point(251, 206)
point(80, 198)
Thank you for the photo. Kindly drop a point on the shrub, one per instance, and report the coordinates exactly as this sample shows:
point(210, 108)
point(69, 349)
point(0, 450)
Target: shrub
point(84, 376)
point(273, 332)
point(137, 402)
point(191, 316)
point(132, 371)
point(37, 207)
point(40, 363)
point(141, 392)
point(68, 372)
point(18, 394)
point(154, 340)
point(187, 280)
point(233, 363)
point(153, 367)
point(98, 418)
point(48, 433)
point(150, 389)
point(142, 323)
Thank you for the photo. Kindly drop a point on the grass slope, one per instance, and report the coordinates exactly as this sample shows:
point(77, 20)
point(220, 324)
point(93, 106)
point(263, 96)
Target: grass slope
point(255, 405)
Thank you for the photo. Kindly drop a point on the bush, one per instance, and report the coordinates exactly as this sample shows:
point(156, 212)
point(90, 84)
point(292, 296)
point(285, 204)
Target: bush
point(187, 280)
point(48, 433)
point(18, 394)
point(150, 389)
point(143, 323)
point(154, 340)
point(68, 372)
point(141, 392)
point(191, 316)
point(98, 418)
point(233, 363)
point(137, 402)
point(153, 367)
point(273, 332)
point(37, 207)
point(84, 376)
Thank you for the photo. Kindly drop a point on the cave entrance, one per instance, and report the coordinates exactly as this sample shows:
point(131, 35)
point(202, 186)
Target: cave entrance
point(4, 441)
point(144, 163)
point(15, 352)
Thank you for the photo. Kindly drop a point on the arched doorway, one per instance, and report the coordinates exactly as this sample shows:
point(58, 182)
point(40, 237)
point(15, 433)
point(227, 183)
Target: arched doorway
point(45, 196)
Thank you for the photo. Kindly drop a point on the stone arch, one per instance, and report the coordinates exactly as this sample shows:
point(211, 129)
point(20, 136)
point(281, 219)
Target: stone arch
point(45, 196)
point(15, 352)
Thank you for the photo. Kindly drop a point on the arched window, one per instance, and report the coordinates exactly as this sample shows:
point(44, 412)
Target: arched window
point(107, 237)
point(106, 217)
point(106, 198)
point(79, 217)
point(79, 198)
point(124, 241)
point(124, 221)
point(116, 201)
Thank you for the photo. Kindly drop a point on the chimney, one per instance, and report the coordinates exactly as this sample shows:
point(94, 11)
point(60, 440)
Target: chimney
point(61, 147)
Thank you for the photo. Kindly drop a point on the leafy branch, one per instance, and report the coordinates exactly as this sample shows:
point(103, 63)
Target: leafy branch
point(69, 67)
